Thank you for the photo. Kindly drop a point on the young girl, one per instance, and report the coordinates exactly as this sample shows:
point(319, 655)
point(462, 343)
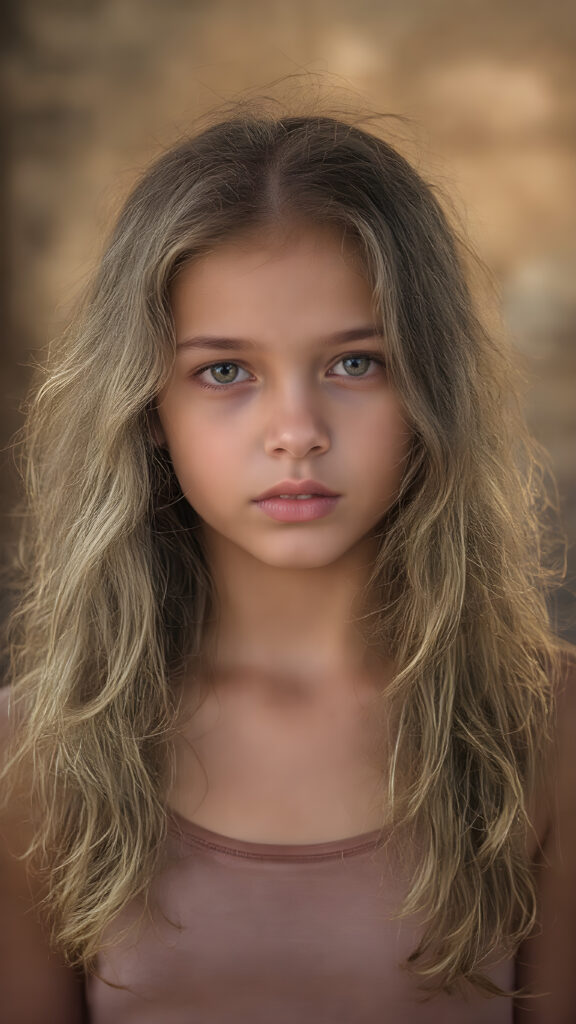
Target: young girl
point(290, 734)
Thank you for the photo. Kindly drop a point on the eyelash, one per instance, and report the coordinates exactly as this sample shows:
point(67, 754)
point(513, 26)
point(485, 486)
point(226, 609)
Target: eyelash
point(228, 362)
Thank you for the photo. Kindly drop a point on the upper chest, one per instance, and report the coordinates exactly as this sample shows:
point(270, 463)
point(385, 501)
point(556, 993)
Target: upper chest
point(290, 765)
point(294, 764)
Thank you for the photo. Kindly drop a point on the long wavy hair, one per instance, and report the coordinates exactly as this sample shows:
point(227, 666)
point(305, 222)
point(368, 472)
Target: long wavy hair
point(116, 587)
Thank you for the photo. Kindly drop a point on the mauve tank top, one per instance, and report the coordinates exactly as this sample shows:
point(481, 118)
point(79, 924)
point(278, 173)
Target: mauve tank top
point(253, 933)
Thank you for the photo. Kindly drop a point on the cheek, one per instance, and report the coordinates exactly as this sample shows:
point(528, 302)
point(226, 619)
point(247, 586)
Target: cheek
point(382, 440)
point(203, 459)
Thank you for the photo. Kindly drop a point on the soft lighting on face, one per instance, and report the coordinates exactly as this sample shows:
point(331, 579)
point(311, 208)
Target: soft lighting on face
point(281, 375)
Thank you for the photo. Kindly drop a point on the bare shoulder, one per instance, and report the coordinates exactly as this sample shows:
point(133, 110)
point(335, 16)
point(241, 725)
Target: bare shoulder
point(545, 962)
point(35, 985)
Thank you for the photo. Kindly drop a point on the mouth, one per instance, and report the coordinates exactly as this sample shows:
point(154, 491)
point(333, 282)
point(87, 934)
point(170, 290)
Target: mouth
point(296, 497)
point(297, 490)
point(297, 508)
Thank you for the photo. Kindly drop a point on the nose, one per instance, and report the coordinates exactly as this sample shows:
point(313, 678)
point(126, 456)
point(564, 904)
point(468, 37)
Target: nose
point(296, 426)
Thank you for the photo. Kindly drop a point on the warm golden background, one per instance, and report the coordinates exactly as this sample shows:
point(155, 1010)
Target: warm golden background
point(96, 87)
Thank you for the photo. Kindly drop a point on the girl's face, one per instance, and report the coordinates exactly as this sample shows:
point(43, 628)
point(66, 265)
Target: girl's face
point(280, 376)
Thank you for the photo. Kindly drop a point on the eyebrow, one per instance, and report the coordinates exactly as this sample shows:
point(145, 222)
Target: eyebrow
point(208, 341)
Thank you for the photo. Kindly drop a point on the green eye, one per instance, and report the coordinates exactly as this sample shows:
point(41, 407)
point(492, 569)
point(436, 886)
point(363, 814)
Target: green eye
point(221, 374)
point(224, 373)
point(228, 373)
point(358, 365)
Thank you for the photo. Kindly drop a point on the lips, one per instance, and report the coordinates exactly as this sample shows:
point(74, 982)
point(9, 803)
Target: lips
point(293, 488)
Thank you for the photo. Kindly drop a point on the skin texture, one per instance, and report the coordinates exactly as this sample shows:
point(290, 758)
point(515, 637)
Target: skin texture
point(291, 410)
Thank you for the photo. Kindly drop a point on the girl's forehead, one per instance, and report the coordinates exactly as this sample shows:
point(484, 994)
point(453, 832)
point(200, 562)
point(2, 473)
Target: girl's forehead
point(304, 276)
point(312, 266)
point(294, 242)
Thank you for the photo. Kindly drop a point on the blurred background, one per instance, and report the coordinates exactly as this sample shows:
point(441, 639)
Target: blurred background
point(95, 88)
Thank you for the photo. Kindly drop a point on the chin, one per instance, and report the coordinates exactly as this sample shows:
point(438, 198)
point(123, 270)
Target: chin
point(296, 556)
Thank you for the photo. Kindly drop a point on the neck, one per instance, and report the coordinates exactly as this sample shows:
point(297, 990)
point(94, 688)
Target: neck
point(285, 622)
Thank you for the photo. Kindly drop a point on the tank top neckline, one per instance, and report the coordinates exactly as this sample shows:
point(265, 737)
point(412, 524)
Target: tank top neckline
point(184, 828)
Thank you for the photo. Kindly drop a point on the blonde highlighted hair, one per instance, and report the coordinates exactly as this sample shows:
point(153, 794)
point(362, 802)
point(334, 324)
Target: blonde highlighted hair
point(116, 587)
